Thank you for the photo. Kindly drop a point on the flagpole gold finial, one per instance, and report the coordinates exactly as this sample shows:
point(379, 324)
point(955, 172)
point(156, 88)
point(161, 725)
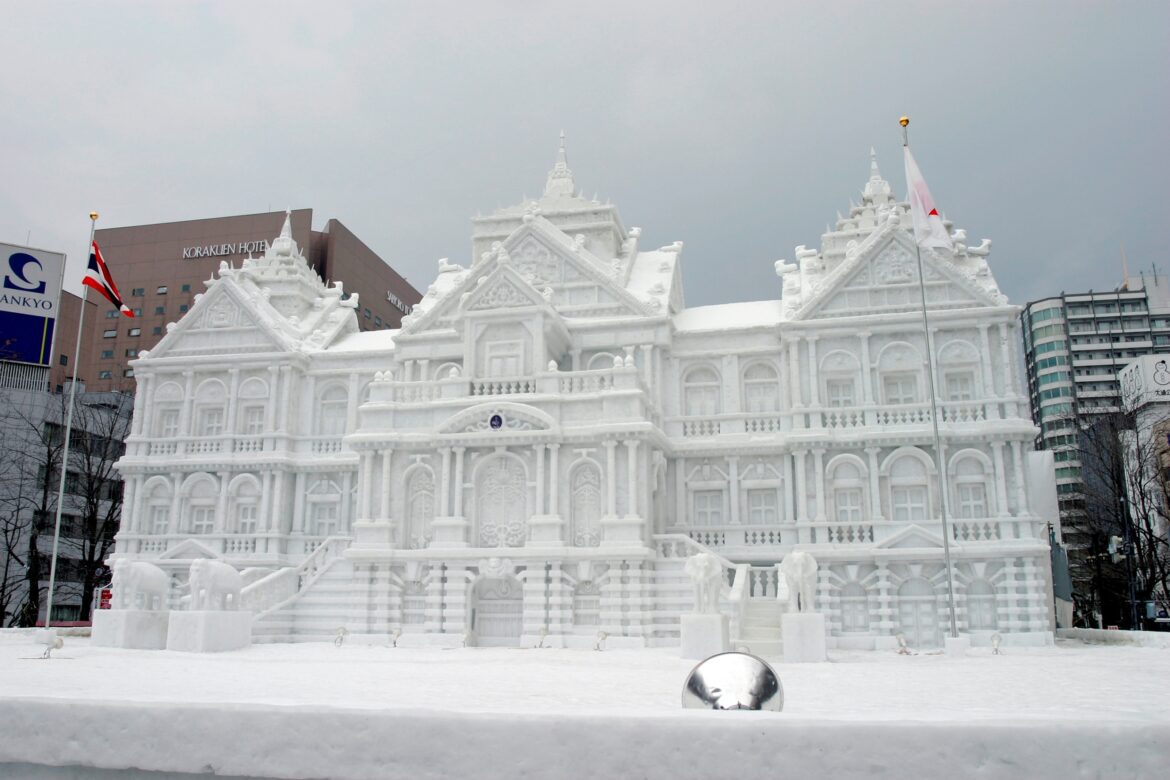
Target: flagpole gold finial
point(93, 215)
point(904, 121)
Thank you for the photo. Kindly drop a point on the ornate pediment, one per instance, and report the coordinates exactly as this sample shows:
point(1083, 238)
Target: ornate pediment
point(188, 549)
point(501, 292)
point(881, 276)
point(499, 418)
point(223, 321)
point(912, 536)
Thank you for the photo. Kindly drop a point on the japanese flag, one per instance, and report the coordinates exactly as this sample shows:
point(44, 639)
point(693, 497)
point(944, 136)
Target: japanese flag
point(928, 225)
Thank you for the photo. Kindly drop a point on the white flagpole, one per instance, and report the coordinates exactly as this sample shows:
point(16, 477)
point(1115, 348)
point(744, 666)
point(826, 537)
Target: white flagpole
point(93, 215)
point(938, 459)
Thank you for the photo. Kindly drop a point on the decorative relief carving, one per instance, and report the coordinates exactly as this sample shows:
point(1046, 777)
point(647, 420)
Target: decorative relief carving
point(502, 295)
point(222, 315)
point(533, 260)
point(894, 266)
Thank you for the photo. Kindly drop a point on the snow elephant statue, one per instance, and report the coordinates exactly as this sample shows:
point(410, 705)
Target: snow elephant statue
point(214, 585)
point(139, 585)
point(799, 570)
point(706, 573)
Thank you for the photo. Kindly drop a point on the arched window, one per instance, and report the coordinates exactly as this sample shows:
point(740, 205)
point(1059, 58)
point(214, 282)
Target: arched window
point(909, 490)
point(210, 408)
point(158, 509)
point(585, 505)
point(253, 397)
point(332, 409)
point(202, 496)
point(761, 388)
point(324, 507)
point(900, 367)
point(168, 403)
point(981, 612)
point(840, 371)
point(420, 507)
point(854, 607)
point(969, 482)
point(959, 361)
point(847, 483)
point(245, 506)
point(701, 393)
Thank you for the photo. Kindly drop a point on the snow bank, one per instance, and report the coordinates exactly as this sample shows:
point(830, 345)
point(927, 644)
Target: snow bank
point(315, 741)
point(1106, 637)
point(305, 711)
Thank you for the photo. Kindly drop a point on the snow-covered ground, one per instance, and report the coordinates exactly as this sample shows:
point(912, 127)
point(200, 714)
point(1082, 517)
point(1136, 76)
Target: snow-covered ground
point(314, 710)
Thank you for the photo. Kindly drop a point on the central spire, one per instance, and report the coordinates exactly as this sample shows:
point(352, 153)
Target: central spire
point(877, 189)
point(560, 178)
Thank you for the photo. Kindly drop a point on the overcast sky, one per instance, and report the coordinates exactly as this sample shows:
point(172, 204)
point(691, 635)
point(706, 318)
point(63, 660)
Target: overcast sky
point(1041, 125)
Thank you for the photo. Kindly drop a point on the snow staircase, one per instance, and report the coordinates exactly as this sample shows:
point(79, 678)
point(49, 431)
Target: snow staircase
point(304, 603)
point(673, 596)
point(749, 598)
point(759, 630)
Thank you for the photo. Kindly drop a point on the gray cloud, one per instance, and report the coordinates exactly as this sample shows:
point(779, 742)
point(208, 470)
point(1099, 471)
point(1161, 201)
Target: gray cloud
point(739, 130)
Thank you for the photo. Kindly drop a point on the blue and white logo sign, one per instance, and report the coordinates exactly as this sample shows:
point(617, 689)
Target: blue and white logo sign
point(30, 295)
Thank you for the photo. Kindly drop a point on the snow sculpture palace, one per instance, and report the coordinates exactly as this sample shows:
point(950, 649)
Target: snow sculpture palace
point(533, 456)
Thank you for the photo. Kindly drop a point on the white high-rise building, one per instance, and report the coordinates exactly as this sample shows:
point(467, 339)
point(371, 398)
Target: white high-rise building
point(552, 431)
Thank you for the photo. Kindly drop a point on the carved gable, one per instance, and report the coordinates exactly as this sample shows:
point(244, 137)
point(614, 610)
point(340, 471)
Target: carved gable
point(222, 322)
point(884, 278)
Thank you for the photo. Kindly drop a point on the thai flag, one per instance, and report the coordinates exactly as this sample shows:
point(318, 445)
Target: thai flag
point(98, 277)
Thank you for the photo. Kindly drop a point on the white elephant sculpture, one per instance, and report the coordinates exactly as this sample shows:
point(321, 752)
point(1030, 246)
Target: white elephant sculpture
point(139, 585)
point(799, 570)
point(706, 573)
point(214, 585)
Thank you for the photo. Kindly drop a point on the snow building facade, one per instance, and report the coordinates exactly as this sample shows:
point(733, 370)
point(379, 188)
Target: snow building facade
point(531, 458)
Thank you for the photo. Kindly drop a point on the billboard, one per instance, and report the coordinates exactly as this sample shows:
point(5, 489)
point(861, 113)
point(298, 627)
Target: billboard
point(30, 298)
point(1144, 381)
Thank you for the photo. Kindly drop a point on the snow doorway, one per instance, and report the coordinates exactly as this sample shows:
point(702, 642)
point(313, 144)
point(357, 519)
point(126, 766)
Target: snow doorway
point(498, 612)
point(918, 613)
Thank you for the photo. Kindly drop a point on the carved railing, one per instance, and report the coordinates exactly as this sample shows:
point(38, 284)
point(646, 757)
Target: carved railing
point(843, 533)
point(975, 530)
point(962, 412)
point(845, 417)
point(518, 385)
point(325, 445)
point(739, 535)
point(763, 582)
point(909, 414)
point(283, 586)
point(226, 544)
point(572, 383)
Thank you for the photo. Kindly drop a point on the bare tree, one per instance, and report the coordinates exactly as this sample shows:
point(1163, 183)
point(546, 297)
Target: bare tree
point(1122, 465)
point(33, 432)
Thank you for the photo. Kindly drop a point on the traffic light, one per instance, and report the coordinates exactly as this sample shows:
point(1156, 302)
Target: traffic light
point(1116, 549)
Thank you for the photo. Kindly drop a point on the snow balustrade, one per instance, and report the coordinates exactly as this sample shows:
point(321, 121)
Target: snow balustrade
point(742, 538)
point(843, 418)
point(385, 389)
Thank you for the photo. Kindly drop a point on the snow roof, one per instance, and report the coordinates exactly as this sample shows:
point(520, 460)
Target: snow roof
point(651, 275)
point(729, 316)
point(365, 341)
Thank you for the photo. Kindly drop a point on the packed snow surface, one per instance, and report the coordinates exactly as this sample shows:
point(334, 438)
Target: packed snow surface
point(316, 710)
